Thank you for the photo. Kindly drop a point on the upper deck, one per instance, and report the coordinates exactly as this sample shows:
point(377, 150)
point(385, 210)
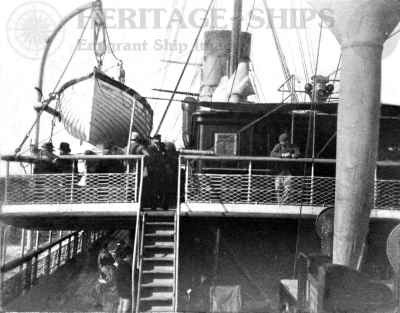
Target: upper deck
point(206, 186)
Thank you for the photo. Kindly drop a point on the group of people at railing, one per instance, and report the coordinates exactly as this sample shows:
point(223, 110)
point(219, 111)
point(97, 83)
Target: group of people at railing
point(159, 174)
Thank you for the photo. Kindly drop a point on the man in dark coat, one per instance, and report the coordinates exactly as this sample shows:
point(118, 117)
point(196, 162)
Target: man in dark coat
point(66, 166)
point(157, 171)
point(46, 162)
point(283, 182)
point(123, 279)
point(137, 147)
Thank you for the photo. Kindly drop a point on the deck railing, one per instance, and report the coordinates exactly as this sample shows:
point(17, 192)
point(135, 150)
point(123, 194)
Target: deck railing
point(250, 184)
point(25, 272)
point(70, 188)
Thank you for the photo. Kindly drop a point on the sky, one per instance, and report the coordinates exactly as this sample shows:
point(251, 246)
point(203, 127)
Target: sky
point(143, 33)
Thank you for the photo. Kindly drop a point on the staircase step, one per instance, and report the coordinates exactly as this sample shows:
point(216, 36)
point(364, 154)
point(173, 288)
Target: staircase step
point(160, 223)
point(160, 246)
point(164, 298)
point(164, 214)
point(160, 309)
point(157, 280)
point(151, 253)
point(158, 259)
point(159, 271)
point(160, 233)
point(167, 283)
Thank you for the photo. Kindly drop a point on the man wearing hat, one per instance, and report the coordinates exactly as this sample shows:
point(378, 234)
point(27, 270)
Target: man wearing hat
point(66, 166)
point(46, 162)
point(157, 171)
point(284, 149)
point(123, 279)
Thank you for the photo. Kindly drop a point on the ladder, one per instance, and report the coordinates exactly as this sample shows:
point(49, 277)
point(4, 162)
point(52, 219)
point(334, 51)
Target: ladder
point(156, 288)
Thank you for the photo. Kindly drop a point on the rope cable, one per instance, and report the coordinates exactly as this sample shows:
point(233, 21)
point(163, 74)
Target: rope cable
point(18, 150)
point(73, 52)
point(185, 66)
point(311, 127)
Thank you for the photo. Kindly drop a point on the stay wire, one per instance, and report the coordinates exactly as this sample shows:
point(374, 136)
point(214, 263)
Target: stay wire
point(18, 150)
point(184, 67)
point(73, 52)
point(310, 133)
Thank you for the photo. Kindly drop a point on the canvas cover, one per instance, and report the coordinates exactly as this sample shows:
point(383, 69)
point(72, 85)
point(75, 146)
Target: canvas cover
point(225, 299)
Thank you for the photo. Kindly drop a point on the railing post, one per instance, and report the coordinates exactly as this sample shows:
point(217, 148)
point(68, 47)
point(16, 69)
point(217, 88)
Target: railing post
point(68, 248)
point(28, 275)
point(312, 184)
point(75, 246)
point(22, 247)
point(48, 257)
point(37, 240)
point(178, 192)
point(249, 182)
point(72, 183)
point(186, 180)
point(139, 199)
point(177, 229)
point(48, 262)
point(34, 270)
point(6, 182)
point(2, 261)
point(136, 178)
point(376, 188)
point(59, 254)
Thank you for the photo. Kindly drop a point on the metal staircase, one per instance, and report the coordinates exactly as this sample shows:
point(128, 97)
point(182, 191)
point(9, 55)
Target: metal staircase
point(156, 288)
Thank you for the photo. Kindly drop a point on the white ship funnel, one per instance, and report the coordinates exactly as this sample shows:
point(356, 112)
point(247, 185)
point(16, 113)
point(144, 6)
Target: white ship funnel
point(217, 49)
point(361, 27)
point(236, 88)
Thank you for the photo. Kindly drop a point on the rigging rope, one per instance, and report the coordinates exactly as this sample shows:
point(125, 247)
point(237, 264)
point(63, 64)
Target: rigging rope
point(311, 128)
point(171, 51)
point(73, 52)
point(185, 66)
point(336, 74)
point(27, 135)
point(282, 58)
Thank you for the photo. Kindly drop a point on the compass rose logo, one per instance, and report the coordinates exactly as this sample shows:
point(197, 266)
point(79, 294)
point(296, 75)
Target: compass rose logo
point(29, 26)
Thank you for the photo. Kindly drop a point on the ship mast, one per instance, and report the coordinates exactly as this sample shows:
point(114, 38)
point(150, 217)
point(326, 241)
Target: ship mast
point(236, 31)
point(361, 28)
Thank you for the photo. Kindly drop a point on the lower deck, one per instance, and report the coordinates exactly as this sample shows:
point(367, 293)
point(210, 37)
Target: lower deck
point(123, 215)
point(252, 253)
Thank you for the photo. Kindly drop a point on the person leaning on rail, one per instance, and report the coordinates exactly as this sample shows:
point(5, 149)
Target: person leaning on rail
point(283, 182)
point(44, 185)
point(137, 147)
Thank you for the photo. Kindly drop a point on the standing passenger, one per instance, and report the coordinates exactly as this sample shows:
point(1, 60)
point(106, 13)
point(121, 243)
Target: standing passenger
point(136, 147)
point(124, 280)
point(66, 166)
point(44, 187)
point(46, 162)
point(157, 171)
point(171, 171)
point(283, 182)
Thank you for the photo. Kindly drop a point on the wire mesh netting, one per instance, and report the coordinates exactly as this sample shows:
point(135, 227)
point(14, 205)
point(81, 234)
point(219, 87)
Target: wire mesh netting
point(67, 188)
point(272, 189)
